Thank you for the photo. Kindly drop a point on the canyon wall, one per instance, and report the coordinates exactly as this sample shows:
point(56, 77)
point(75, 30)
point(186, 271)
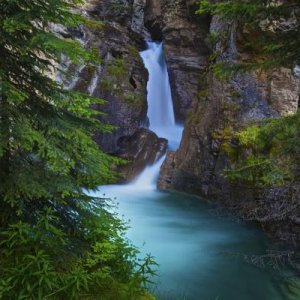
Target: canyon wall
point(184, 35)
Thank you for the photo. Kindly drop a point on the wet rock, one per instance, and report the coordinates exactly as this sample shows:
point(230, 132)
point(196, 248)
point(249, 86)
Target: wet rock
point(153, 19)
point(184, 35)
point(141, 149)
point(138, 18)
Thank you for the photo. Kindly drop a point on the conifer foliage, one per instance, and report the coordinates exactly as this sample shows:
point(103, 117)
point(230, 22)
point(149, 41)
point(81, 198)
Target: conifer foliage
point(55, 242)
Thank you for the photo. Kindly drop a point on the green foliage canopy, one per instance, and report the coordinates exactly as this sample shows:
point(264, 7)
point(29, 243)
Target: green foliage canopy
point(56, 242)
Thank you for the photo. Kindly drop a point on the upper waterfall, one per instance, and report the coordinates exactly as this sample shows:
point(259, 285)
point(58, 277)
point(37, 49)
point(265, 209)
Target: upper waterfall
point(160, 110)
point(160, 104)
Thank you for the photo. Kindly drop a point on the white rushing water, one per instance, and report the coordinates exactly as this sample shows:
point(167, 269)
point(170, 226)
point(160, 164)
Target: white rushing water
point(160, 105)
point(160, 110)
point(148, 178)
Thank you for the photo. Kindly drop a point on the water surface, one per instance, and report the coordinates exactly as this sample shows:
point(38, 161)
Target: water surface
point(192, 245)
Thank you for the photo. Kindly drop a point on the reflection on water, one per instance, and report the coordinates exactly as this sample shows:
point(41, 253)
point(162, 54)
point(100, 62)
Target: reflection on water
point(190, 244)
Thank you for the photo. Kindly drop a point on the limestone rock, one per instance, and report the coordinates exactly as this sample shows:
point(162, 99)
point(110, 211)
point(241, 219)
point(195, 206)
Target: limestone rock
point(153, 18)
point(184, 35)
point(186, 51)
point(209, 107)
point(284, 91)
point(225, 106)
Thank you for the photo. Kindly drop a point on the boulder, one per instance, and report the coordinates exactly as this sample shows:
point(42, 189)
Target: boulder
point(141, 149)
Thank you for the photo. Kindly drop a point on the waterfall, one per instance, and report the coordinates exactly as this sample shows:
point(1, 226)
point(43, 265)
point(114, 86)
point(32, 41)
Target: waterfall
point(160, 110)
point(160, 104)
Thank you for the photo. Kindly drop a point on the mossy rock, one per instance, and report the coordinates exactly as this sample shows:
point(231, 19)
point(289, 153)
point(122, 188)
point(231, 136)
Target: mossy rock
point(203, 93)
point(133, 51)
point(117, 69)
point(134, 99)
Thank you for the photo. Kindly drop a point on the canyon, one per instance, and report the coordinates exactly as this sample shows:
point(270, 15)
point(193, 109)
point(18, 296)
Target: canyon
point(204, 104)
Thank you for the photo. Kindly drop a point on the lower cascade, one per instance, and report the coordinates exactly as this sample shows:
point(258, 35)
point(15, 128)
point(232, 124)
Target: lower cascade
point(200, 256)
point(148, 178)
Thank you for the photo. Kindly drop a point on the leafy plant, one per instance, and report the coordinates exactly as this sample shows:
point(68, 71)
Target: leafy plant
point(267, 153)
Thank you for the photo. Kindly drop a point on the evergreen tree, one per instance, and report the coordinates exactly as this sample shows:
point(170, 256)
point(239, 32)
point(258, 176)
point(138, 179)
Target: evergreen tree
point(56, 242)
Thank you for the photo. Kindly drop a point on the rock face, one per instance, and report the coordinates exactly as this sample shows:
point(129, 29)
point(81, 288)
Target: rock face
point(184, 36)
point(222, 106)
point(141, 149)
point(153, 18)
point(186, 50)
point(283, 89)
point(208, 106)
point(121, 78)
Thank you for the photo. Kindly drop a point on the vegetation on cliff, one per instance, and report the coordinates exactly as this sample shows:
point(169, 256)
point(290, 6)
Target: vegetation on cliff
point(272, 25)
point(267, 153)
point(56, 242)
